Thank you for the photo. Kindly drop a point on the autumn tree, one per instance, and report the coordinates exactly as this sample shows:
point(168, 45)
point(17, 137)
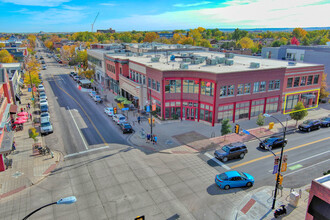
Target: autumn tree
point(32, 40)
point(2, 45)
point(150, 37)
point(299, 33)
point(205, 43)
point(294, 41)
point(225, 128)
point(246, 42)
point(196, 36)
point(32, 70)
point(6, 57)
point(49, 44)
point(82, 58)
point(238, 34)
point(299, 112)
point(186, 40)
point(323, 91)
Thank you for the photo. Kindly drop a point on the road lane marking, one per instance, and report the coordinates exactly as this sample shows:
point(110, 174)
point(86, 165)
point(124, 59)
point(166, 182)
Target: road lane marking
point(83, 139)
point(86, 151)
point(295, 167)
point(217, 161)
point(304, 159)
point(271, 155)
point(306, 168)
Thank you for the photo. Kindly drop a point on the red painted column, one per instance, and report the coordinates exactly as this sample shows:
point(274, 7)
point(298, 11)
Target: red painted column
point(265, 104)
point(199, 99)
point(250, 109)
point(2, 164)
point(181, 95)
point(214, 101)
point(234, 110)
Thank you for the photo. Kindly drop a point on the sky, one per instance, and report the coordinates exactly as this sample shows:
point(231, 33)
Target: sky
point(126, 15)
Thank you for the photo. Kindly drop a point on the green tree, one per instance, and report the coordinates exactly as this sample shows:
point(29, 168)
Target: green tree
point(6, 57)
point(238, 34)
point(299, 112)
point(196, 35)
point(246, 42)
point(260, 120)
point(205, 43)
point(323, 91)
point(33, 134)
point(225, 128)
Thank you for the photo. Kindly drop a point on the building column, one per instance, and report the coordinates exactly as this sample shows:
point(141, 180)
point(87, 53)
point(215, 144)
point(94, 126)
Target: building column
point(2, 164)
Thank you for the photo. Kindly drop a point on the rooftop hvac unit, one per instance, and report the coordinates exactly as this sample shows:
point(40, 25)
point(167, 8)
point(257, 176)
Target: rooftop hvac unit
point(129, 54)
point(186, 59)
point(229, 55)
point(183, 66)
point(221, 60)
point(291, 63)
point(196, 61)
point(211, 62)
point(254, 65)
point(229, 62)
point(154, 59)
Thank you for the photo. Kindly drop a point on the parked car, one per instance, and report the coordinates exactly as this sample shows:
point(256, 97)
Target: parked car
point(310, 125)
point(60, 61)
point(43, 62)
point(46, 126)
point(43, 96)
point(119, 118)
point(44, 67)
point(42, 93)
point(76, 78)
point(43, 107)
point(230, 151)
point(72, 74)
point(231, 179)
point(92, 94)
point(97, 98)
point(44, 115)
point(325, 122)
point(109, 111)
point(126, 127)
point(43, 101)
point(41, 87)
point(272, 142)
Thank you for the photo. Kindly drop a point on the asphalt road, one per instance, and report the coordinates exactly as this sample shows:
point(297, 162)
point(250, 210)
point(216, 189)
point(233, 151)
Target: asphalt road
point(79, 123)
point(308, 157)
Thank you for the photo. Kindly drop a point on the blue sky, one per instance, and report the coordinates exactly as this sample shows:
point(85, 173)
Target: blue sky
point(127, 15)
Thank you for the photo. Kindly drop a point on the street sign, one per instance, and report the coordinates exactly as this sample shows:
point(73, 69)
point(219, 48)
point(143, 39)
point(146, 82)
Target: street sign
point(32, 99)
point(148, 108)
point(153, 107)
point(29, 90)
point(277, 159)
point(283, 167)
point(285, 158)
point(147, 102)
point(125, 109)
point(246, 132)
point(275, 169)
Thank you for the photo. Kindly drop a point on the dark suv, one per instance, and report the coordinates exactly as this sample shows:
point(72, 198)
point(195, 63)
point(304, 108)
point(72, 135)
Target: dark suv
point(230, 151)
point(272, 142)
point(310, 125)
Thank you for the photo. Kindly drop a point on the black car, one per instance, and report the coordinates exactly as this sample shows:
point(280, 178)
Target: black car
point(72, 74)
point(325, 122)
point(230, 151)
point(272, 142)
point(310, 125)
point(126, 127)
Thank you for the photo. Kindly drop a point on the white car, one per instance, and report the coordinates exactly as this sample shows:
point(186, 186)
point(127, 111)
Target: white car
point(46, 126)
point(108, 111)
point(119, 118)
point(43, 96)
point(43, 102)
point(92, 94)
point(41, 88)
point(44, 115)
point(97, 98)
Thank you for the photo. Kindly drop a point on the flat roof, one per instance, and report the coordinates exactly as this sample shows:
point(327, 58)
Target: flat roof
point(241, 62)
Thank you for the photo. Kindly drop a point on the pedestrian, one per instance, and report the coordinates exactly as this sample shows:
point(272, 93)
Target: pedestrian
point(24, 109)
point(13, 148)
point(139, 119)
point(21, 109)
point(29, 106)
point(148, 138)
point(31, 116)
point(155, 139)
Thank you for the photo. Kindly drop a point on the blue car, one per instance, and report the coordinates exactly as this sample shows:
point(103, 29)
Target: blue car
point(233, 179)
point(310, 125)
point(325, 122)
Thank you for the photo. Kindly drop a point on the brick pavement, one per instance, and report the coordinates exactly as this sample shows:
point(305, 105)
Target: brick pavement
point(27, 169)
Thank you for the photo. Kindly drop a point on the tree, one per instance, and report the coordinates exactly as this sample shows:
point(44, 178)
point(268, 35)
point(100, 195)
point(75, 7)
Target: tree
point(225, 128)
point(150, 37)
point(299, 112)
point(2, 45)
point(205, 43)
point(6, 57)
point(323, 91)
point(260, 120)
point(294, 41)
point(195, 35)
point(246, 42)
point(299, 33)
point(238, 34)
point(33, 134)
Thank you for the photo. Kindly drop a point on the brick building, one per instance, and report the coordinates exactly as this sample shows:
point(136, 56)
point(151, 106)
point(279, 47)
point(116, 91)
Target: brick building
point(209, 86)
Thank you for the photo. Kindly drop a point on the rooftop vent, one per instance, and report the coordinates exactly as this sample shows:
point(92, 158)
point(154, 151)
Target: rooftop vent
point(221, 60)
point(154, 59)
point(196, 61)
point(183, 66)
point(254, 65)
point(211, 62)
point(229, 55)
point(291, 63)
point(229, 62)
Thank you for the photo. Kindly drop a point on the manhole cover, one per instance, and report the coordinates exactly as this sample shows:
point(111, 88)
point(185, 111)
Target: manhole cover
point(169, 142)
point(17, 174)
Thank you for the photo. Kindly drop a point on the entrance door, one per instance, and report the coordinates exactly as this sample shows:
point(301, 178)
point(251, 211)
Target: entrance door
point(190, 113)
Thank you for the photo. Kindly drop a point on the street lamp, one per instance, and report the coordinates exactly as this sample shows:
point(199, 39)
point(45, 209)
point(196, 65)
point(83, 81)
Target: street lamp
point(67, 200)
point(279, 167)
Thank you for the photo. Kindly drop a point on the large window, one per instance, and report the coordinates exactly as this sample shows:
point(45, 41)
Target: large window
point(149, 82)
point(256, 87)
point(316, 79)
point(272, 105)
point(274, 85)
point(207, 88)
point(242, 110)
point(257, 107)
point(310, 79)
point(153, 84)
point(173, 86)
point(303, 81)
point(262, 86)
point(296, 81)
point(247, 88)
point(158, 86)
point(190, 86)
point(291, 101)
point(173, 110)
point(289, 84)
point(225, 112)
point(227, 90)
point(206, 111)
point(240, 89)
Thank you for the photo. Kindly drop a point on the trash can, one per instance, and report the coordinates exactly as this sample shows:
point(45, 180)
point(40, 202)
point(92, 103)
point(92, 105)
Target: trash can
point(294, 198)
point(271, 125)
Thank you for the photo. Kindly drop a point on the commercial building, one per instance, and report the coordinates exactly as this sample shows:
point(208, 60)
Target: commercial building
point(110, 30)
point(209, 86)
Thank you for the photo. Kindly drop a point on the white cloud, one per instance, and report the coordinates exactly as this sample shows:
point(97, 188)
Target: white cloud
point(49, 3)
point(57, 16)
point(248, 14)
point(191, 4)
point(108, 4)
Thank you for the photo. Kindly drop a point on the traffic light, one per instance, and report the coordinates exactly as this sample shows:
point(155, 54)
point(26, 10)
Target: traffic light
point(153, 120)
point(284, 166)
point(237, 129)
point(149, 120)
point(139, 218)
point(280, 180)
point(115, 110)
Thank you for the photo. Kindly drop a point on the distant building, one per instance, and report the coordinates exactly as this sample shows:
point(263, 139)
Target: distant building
point(110, 30)
point(18, 52)
point(166, 35)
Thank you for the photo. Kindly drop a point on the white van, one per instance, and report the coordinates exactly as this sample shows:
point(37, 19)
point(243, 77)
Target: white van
point(46, 126)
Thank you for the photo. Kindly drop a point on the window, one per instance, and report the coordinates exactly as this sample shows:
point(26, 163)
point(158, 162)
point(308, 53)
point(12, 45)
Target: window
point(291, 101)
point(158, 86)
point(302, 56)
point(262, 86)
point(206, 112)
point(190, 86)
point(242, 110)
point(223, 91)
point(316, 79)
point(227, 90)
point(240, 88)
point(256, 87)
point(247, 88)
point(303, 81)
point(271, 85)
point(257, 107)
point(207, 88)
point(289, 84)
point(173, 86)
point(149, 82)
point(277, 84)
point(230, 91)
point(310, 79)
point(225, 112)
point(153, 84)
point(144, 80)
point(296, 81)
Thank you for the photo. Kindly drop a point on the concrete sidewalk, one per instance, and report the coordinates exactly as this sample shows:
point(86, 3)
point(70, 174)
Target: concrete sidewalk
point(27, 169)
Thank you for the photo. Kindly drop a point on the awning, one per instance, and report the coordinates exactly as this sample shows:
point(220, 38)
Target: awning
point(21, 82)
point(308, 96)
point(318, 208)
point(85, 81)
point(13, 109)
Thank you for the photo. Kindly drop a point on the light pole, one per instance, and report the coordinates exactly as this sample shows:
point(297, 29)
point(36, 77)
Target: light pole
point(280, 164)
point(247, 132)
point(67, 200)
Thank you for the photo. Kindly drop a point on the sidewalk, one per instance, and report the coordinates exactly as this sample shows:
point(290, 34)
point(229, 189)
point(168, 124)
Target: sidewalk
point(257, 204)
point(27, 169)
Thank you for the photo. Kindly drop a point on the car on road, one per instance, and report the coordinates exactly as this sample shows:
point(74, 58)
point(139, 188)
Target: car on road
point(97, 98)
point(44, 115)
point(310, 125)
point(72, 74)
point(231, 151)
point(325, 122)
point(60, 61)
point(232, 179)
point(119, 118)
point(44, 108)
point(109, 111)
point(44, 67)
point(92, 94)
point(126, 127)
point(273, 142)
point(46, 126)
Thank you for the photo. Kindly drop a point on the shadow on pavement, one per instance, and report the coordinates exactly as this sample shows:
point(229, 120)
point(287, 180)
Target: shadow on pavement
point(214, 190)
